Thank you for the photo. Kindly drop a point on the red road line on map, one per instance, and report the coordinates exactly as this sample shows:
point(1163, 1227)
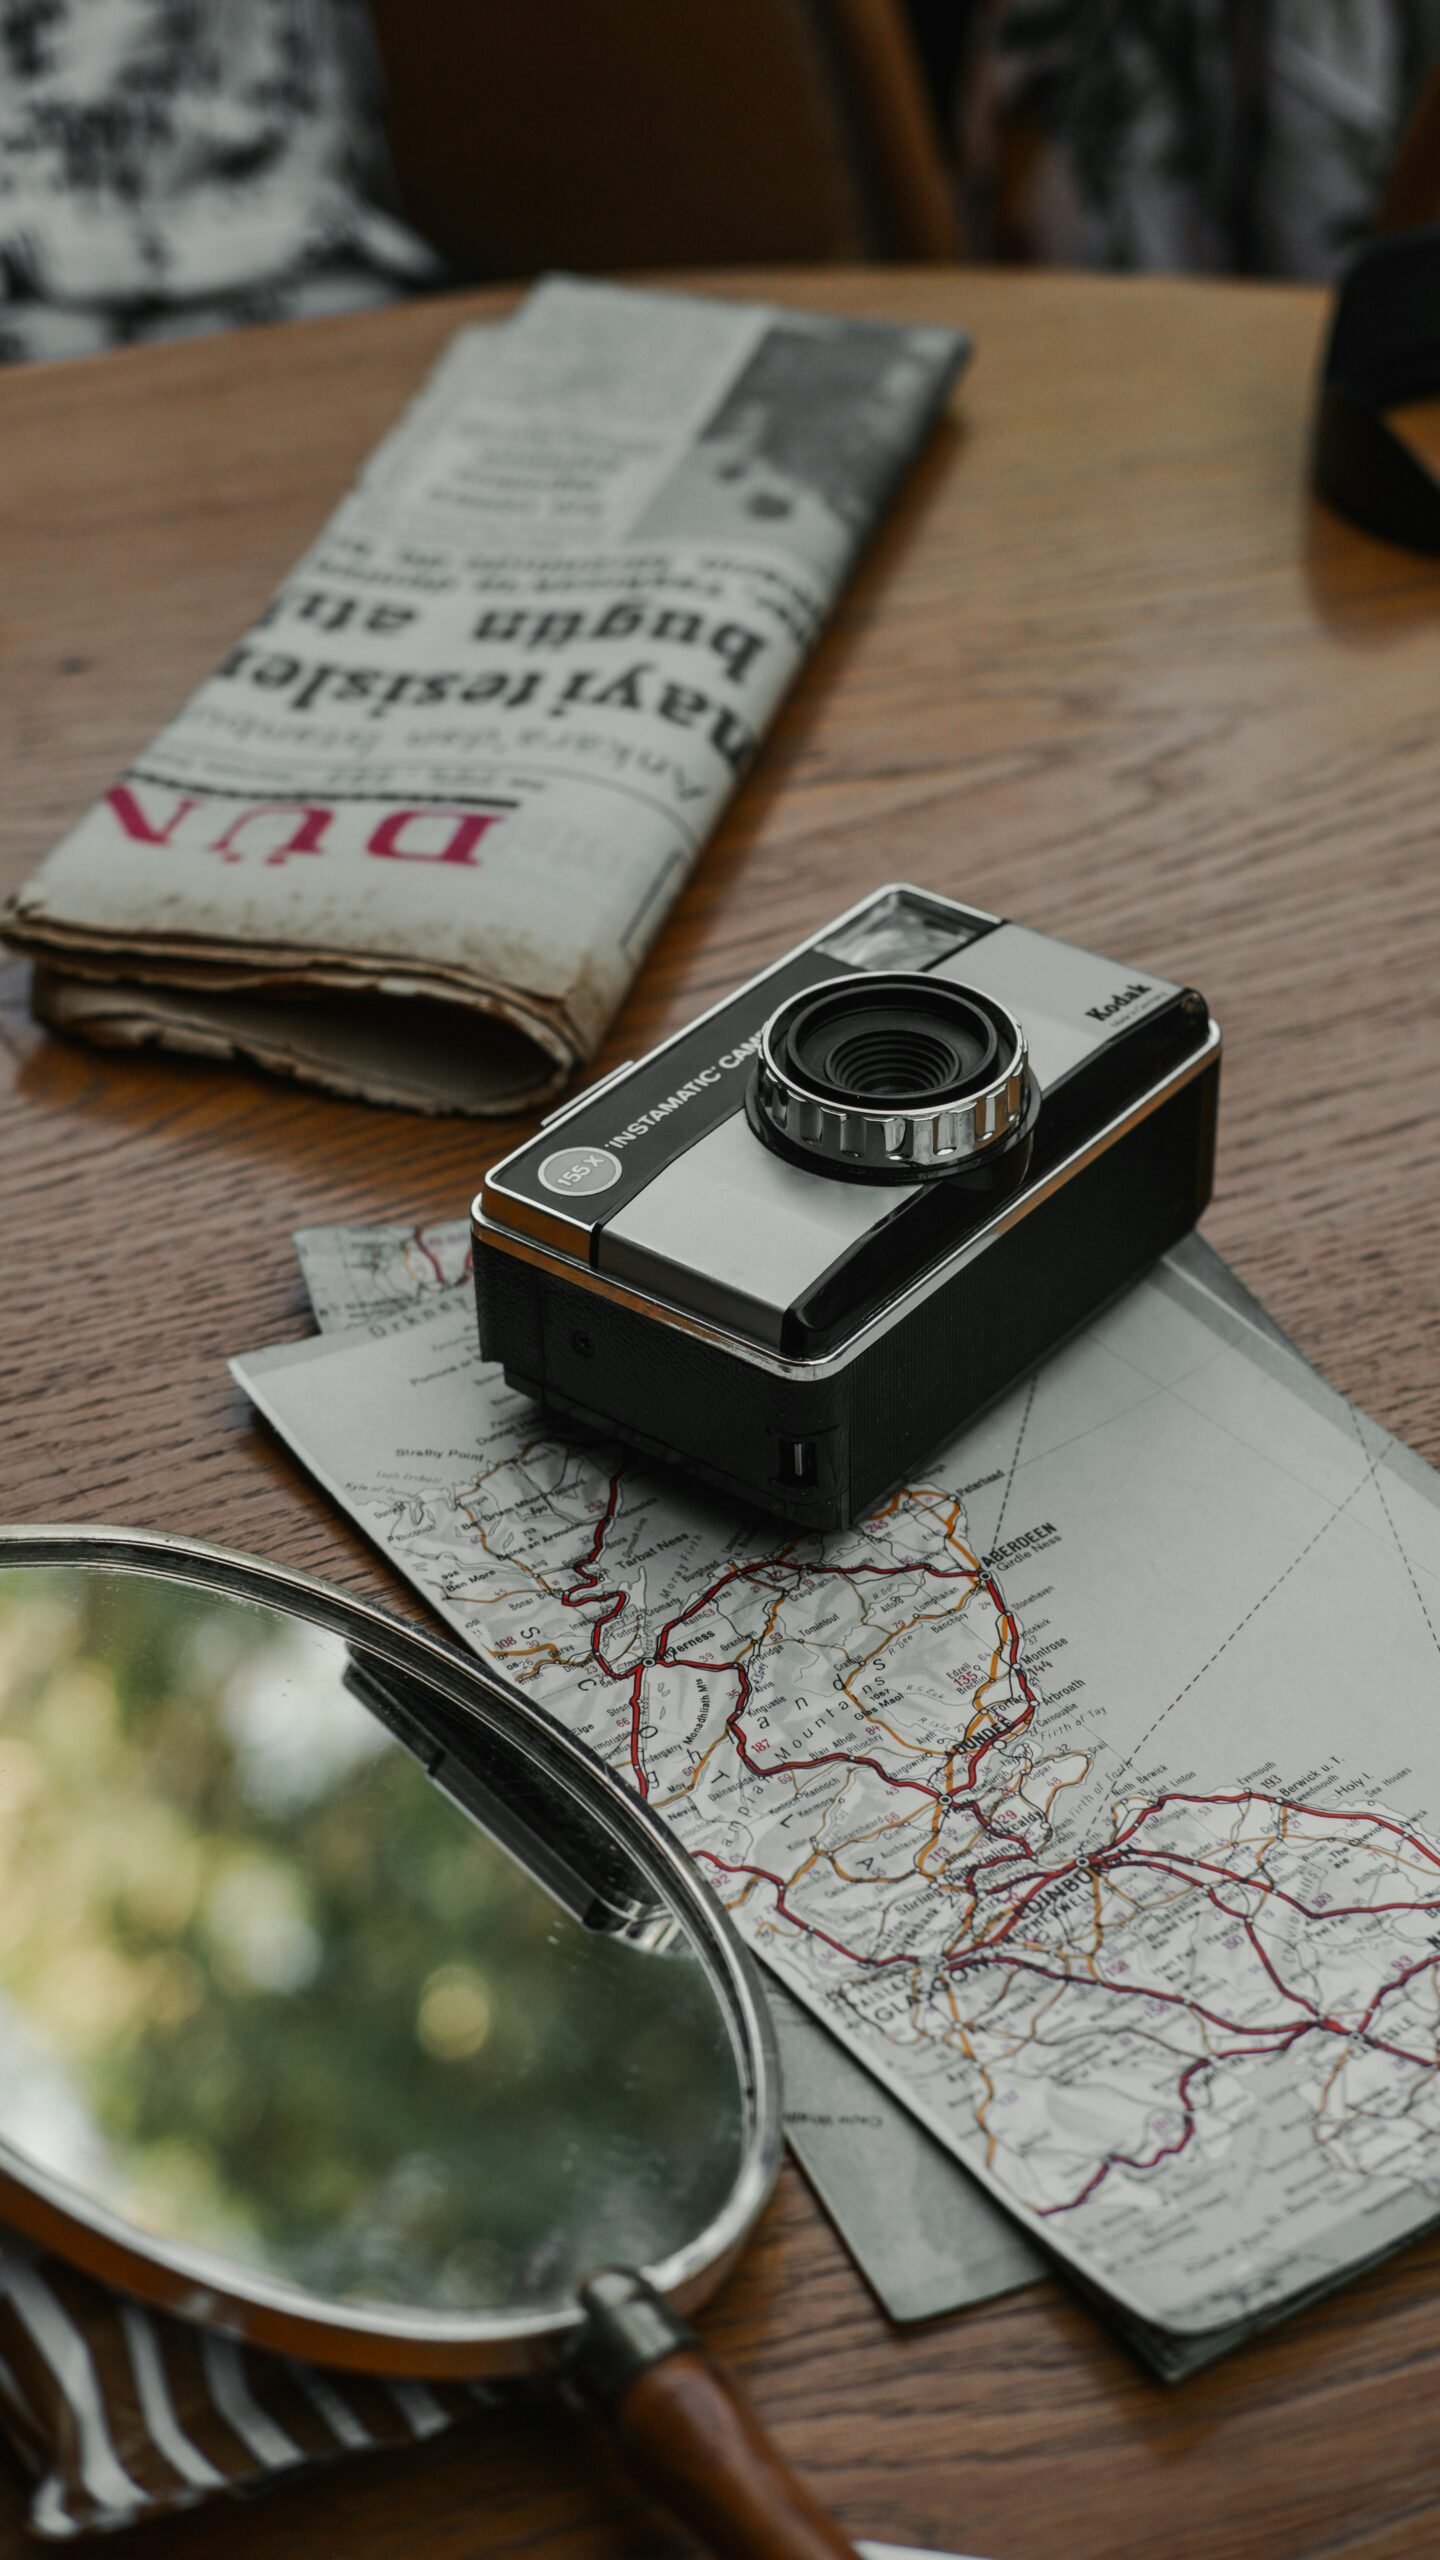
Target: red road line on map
point(760, 1565)
point(1286, 1804)
point(1422, 1964)
point(989, 1953)
point(576, 1598)
point(986, 1956)
point(809, 1926)
point(641, 1781)
point(682, 1662)
point(1203, 2062)
point(417, 1238)
point(1180, 1859)
point(819, 1760)
point(1313, 2023)
point(1125, 2160)
point(782, 1768)
point(1283, 1988)
point(1331, 2026)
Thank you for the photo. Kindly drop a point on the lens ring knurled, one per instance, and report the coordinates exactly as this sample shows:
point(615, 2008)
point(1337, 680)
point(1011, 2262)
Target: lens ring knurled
point(892, 1074)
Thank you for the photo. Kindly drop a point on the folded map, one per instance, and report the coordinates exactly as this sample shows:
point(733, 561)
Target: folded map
point(1090, 1792)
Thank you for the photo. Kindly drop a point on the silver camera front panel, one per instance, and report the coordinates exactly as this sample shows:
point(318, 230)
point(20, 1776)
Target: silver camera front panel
point(727, 1214)
point(1069, 1002)
point(730, 1213)
point(602, 1147)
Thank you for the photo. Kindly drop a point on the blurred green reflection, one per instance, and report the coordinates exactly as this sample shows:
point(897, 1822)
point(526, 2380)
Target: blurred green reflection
point(265, 1990)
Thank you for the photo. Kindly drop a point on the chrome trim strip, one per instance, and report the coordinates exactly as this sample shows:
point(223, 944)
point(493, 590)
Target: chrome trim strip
point(808, 1372)
point(526, 1217)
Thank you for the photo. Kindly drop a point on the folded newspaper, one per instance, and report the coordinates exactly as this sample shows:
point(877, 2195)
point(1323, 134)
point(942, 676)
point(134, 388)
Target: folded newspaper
point(413, 837)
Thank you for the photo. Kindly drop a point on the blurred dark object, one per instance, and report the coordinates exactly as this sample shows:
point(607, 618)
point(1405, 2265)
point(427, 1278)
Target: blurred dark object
point(603, 134)
point(1230, 136)
point(941, 30)
point(1384, 350)
point(1412, 193)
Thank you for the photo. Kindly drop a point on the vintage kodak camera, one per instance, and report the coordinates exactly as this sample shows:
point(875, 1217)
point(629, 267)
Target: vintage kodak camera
point(803, 1241)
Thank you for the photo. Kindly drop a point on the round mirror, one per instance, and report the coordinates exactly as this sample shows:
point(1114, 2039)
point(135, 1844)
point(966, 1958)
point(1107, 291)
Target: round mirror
point(341, 1994)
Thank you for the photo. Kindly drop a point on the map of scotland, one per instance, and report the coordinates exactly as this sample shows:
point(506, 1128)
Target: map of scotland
point(1089, 1791)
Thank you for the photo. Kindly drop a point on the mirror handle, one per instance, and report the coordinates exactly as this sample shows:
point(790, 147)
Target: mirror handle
point(686, 2430)
point(695, 2443)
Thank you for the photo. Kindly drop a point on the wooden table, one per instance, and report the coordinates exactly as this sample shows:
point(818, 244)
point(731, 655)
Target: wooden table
point(1107, 669)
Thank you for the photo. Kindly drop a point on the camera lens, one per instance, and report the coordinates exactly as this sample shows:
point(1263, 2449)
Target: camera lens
point(882, 1051)
point(888, 1062)
point(891, 1076)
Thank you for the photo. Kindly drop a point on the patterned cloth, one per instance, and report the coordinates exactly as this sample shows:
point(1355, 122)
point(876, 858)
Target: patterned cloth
point(174, 166)
point(120, 2413)
point(1248, 135)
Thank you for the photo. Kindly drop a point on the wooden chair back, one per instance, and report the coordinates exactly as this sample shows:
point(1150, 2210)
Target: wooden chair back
point(605, 134)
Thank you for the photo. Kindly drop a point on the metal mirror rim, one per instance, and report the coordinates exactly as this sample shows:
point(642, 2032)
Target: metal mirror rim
point(203, 2286)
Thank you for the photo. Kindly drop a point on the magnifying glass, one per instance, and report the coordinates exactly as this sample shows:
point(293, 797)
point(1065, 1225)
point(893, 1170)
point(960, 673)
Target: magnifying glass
point(349, 2006)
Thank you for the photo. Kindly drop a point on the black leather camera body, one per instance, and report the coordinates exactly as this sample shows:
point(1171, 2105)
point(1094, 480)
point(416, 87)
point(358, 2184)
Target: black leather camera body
point(805, 1240)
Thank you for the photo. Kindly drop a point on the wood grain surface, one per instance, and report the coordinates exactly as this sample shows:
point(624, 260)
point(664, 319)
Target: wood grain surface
point(1106, 669)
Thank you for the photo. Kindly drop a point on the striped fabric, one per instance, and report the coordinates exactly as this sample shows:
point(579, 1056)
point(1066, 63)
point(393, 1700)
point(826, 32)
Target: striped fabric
point(119, 2412)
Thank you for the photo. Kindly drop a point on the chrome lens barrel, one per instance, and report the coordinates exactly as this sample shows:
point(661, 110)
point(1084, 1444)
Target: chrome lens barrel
point(891, 1075)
